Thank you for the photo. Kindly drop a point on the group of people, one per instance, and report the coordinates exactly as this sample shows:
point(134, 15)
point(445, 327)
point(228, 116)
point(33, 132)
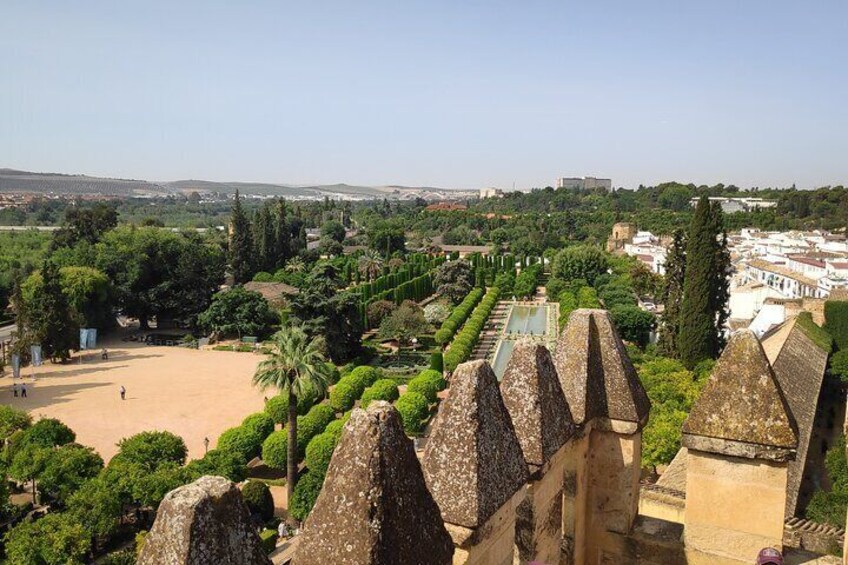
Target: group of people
point(23, 390)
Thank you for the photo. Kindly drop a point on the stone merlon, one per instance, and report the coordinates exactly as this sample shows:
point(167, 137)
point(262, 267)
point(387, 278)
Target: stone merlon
point(535, 401)
point(374, 507)
point(473, 461)
point(596, 374)
point(200, 523)
point(742, 411)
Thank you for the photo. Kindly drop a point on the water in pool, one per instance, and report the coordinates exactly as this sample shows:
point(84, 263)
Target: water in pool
point(528, 320)
point(502, 356)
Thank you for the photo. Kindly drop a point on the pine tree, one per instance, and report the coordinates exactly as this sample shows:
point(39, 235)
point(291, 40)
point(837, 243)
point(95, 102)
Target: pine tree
point(241, 244)
point(675, 270)
point(704, 288)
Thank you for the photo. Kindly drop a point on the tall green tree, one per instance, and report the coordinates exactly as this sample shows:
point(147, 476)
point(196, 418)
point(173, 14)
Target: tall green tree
point(672, 296)
point(282, 234)
point(241, 243)
point(704, 288)
point(264, 238)
point(295, 366)
point(46, 318)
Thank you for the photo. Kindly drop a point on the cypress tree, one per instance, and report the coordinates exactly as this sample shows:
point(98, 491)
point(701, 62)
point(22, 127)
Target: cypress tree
point(675, 270)
point(723, 271)
point(241, 243)
point(264, 237)
point(704, 287)
point(282, 233)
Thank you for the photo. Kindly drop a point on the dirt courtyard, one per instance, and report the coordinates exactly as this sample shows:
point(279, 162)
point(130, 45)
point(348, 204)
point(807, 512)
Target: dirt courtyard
point(194, 394)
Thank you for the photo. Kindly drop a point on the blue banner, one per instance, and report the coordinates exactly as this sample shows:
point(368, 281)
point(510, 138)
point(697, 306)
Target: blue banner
point(92, 338)
point(16, 366)
point(36, 355)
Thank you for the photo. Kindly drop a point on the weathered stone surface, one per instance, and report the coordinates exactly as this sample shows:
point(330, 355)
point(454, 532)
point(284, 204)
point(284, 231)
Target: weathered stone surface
point(799, 365)
point(374, 507)
point(473, 462)
point(201, 523)
point(535, 401)
point(596, 373)
point(742, 402)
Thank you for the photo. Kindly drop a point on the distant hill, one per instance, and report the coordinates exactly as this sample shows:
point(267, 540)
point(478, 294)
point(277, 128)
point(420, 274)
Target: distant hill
point(12, 180)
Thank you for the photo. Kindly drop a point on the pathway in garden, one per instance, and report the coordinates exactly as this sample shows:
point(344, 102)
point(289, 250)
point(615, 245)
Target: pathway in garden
point(491, 332)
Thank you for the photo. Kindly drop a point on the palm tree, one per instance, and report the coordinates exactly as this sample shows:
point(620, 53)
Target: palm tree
point(370, 264)
point(295, 265)
point(295, 366)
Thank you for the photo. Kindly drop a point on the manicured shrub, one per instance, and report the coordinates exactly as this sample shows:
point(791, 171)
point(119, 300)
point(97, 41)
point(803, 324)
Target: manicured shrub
point(218, 462)
point(320, 451)
point(384, 389)
point(335, 427)
point(436, 377)
point(261, 423)
point(257, 497)
point(305, 494)
point(365, 375)
point(245, 442)
point(313, 424)
point(268, 539)
point(443, 336)
point(278, 406)
point(274, 449)
point(344, 395)
point(437, 361)
point(413, 409)
point(425, 387)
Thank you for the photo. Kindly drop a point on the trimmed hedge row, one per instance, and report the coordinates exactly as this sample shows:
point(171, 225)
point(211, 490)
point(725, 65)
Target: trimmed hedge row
point(351, 387)
point(245, 441)
point(275, 446)
point(384, 389)
point(462, 346)
point(428, 383)
point(458, 316)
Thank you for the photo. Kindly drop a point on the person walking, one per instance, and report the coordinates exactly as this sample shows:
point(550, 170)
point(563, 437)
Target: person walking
point(15, 389)
point(123, 393)
point(23, 390)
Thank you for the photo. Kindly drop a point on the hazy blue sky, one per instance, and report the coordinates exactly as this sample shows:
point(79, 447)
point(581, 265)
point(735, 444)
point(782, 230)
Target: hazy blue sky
point(458, 94)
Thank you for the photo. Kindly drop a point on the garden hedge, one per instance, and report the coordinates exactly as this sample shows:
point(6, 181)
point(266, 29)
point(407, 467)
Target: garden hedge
point(261, 423)
point(384, 389)
point(313, 424)
point(458, 316)
point(462, 346)
point(244, 442)
point(278, 406)
point(414, 409)
point(437, 361)
point(320, 451)
point(274, 449)
point(257, 497)
point(305, 494)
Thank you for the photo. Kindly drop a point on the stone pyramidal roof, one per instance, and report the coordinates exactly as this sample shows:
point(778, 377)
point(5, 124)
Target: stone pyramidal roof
point(374, 507)
point(473, 461)
point(203, 522)
point(535, 401)
point(596, 373)
point(742, 408)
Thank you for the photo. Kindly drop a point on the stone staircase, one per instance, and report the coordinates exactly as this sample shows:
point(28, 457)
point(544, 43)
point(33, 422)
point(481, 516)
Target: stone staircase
point(492, 332)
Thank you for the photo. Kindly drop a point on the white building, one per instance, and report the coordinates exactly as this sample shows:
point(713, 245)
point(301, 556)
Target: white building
point(583, 183)
point(491, 193)
point(743, 204)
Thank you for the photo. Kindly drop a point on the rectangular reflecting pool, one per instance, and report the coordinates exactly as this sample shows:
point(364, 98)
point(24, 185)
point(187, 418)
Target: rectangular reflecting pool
point(502, 355)
point(531, 320)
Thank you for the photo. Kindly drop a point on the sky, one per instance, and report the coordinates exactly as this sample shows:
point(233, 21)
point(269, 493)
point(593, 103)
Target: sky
point(461, 94)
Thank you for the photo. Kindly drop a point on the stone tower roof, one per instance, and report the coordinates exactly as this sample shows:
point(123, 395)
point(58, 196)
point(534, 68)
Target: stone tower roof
point(535, 401)
point(595, 372)
point(473, 461)
point(374, 507)
point(742, 410)
point(203, 522)
point(799, 365)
